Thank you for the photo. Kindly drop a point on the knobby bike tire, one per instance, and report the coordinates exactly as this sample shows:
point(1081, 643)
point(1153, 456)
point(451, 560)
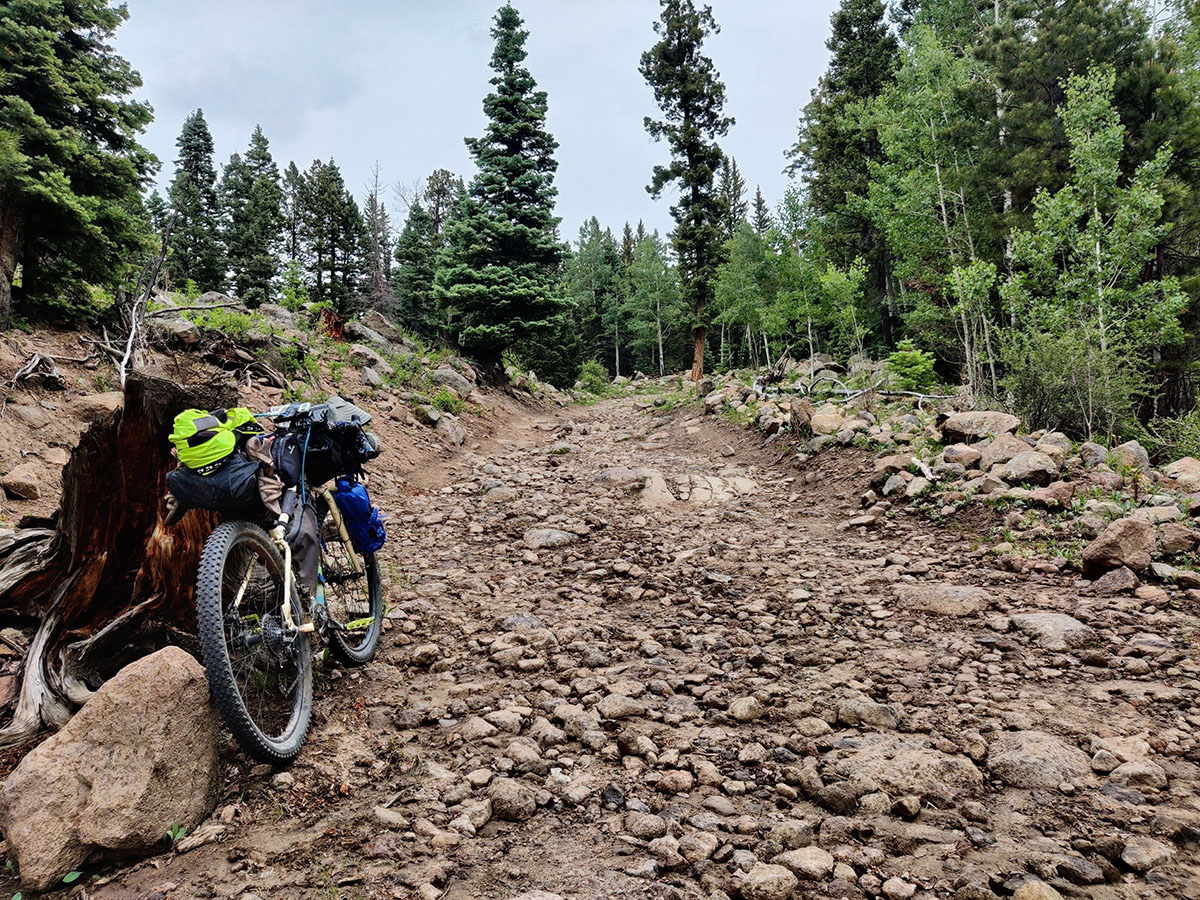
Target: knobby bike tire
point(355, 648)
point(211, 587)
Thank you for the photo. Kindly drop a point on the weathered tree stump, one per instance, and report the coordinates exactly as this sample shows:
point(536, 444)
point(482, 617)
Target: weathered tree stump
point(107, 580)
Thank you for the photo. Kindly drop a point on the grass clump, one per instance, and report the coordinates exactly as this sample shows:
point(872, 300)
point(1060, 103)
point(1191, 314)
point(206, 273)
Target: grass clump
point(448, 401)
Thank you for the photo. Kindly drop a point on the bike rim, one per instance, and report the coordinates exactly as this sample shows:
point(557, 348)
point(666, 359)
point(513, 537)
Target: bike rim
point(348, 596)
point(265, 661)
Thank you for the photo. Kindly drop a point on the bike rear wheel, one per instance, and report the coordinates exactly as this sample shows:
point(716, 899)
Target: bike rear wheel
point(353, 599)
point(260, 675)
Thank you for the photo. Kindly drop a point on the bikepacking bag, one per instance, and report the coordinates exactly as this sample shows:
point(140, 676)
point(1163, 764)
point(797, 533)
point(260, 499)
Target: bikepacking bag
point(230, 488)
point(203, 440)
point(363, 522)
point(322, 452)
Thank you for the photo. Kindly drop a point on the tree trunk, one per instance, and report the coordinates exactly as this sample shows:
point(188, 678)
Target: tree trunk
point(109, 581)
point(10, 251)
point(698, 355)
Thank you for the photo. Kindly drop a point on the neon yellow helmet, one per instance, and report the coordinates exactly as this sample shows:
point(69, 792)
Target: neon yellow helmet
point(202, 440)
point(241, 422)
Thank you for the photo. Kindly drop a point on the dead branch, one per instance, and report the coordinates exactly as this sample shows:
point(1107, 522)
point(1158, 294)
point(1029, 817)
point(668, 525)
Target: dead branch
point(135, 345)
point(171, 310)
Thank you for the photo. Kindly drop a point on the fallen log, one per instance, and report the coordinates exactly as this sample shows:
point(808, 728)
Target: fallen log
point(105, 579)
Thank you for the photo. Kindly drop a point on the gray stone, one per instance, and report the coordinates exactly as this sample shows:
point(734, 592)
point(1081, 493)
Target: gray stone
point(1030, 467)
point(1140, 773)
point(451, 429)
point(1132, 455)
point(1186, 471)
point(976, 425)
point(1054, 631)
point(1004, 448)
point(365, 356)
point(1125, 542)
point(904, 764)
point(812, 863)
point(548, 538)
point(23, 482)
point(447, 377)
point(140, 755)
point(1142, 853)
point(512, 801)
point(768, 882)
point(942, 599)
point(359, 331)
point(1034, 759)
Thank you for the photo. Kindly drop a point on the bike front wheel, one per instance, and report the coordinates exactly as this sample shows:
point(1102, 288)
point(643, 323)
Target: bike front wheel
point(259, 670)
point(353, 596)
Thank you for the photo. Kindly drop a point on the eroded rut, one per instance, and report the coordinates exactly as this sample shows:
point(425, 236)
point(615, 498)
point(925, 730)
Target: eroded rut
point(632, 654)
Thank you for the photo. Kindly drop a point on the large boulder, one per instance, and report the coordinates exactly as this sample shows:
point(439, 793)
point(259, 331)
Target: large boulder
point(1125, 542)
point(1186, 471)
point(447, 377)
point(1034, 759)
point(1031, 467)
point(140, 757)
point(1005, 447)
point(1132, 455)
point(973, 426)
point(827, 420)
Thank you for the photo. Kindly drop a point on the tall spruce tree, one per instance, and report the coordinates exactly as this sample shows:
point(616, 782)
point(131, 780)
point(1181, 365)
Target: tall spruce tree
point(412, 278)
point(71, 170)
point(499, 273)
point(331, 231)
point(377, 246)
point(761, 216)
point(594, 282)
point(731, 190)
point(833, 151)
point(442, 191)
point(293, 187)
point(690, 95)
point(252, 219)
point(195, 246)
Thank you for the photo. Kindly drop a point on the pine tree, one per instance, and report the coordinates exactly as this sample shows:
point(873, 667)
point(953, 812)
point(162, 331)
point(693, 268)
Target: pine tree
point(833, 151)
point(71, 170)
point(594, 284)
point(252, 219)
point(293, 186)
point(377, 246)
point(691, 96)
point(762, 214)
point(628, 246)
point(442, 191)
point(499, 273)
point(195, 245)
point(412, 279)
point(731, 191)
point(1032, 48)
point(331, 232)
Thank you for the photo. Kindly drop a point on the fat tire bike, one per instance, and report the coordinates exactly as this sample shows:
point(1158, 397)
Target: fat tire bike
point(259, 627)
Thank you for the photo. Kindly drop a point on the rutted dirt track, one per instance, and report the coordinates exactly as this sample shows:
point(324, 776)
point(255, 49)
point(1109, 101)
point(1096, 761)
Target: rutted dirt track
point(602, 681)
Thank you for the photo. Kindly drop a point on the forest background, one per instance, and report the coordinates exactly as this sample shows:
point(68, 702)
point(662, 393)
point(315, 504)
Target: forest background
point(999, 196)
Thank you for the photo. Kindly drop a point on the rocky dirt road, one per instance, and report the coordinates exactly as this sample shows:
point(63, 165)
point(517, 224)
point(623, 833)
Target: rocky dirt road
point(632, 654)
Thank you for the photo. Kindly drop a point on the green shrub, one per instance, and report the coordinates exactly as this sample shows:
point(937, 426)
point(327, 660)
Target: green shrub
point(1172, 439)
point(448, 401)
point(1067, 382)
point(911, 369)
point(593, 378)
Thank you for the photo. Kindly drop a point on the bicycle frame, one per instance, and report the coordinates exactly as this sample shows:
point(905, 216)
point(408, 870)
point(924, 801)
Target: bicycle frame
point(278, 536)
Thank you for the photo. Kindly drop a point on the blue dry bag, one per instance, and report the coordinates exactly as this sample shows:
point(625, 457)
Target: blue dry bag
point(362, 519)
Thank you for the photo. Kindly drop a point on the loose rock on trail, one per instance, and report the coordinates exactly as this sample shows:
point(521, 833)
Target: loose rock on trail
point(624, 662)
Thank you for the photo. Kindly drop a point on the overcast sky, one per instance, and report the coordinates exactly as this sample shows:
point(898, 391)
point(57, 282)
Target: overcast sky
point(401, 83)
